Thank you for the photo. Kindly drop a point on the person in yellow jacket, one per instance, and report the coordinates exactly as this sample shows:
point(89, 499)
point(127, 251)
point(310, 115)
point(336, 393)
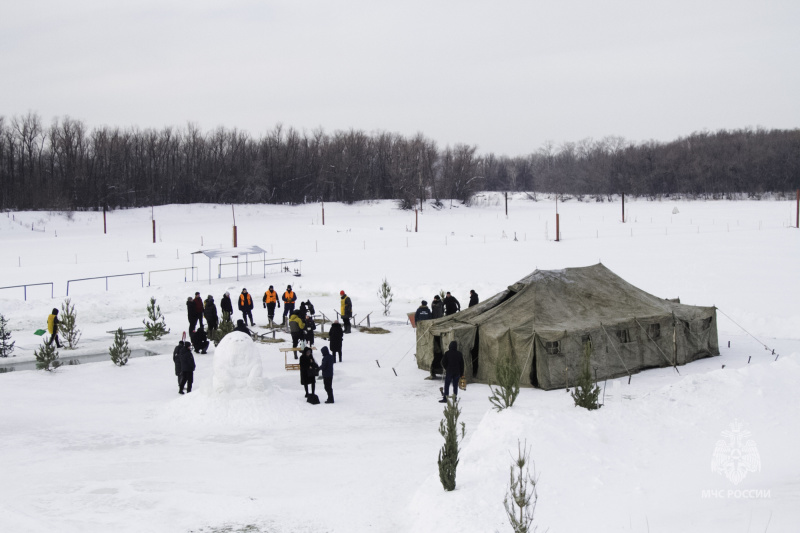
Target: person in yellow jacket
point(52, 328)
point(347, 310)
point(296, 327)
point(270, 301)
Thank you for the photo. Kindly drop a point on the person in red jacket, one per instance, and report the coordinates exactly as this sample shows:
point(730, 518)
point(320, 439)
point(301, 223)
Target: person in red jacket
point(198, 308)
point(246, 307)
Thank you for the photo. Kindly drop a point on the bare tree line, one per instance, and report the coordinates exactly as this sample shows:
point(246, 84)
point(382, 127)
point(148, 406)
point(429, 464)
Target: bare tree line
point(69, 166)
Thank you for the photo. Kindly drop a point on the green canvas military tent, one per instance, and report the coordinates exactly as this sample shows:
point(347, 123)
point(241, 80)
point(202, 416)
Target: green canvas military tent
point(550, 318)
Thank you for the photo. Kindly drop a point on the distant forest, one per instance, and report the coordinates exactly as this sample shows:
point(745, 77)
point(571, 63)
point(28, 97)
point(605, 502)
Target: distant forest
point(69, 166)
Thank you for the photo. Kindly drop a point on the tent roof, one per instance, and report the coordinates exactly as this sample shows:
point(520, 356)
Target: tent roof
point(572, 298)
point(231, 252)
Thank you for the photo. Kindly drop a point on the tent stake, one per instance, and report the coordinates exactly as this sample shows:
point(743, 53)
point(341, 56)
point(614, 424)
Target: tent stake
point(377, 363)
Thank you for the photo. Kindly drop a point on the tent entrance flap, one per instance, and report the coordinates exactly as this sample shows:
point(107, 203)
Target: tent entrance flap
point(475, 355)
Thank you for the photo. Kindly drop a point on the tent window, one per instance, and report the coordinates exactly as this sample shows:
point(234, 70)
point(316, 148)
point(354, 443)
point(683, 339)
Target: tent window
point(706, 323)
point(654, 331)
point(552, 348)
point(623, 335)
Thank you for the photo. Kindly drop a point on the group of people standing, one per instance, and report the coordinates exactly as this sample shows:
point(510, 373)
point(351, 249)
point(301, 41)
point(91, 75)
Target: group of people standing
point(301, 324)
point(442, 307)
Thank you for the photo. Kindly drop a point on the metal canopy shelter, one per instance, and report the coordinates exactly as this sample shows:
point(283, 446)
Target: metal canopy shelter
point(220, 253)
point(246, 251)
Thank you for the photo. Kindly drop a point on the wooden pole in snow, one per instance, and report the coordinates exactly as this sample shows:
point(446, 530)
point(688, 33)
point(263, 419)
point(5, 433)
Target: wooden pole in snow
point(506, 195)
point(416, 221)
point(623, 208)
point(233, 212)
point(323, 213)
point(104, 220)
point(557, 221)
point(797, 221)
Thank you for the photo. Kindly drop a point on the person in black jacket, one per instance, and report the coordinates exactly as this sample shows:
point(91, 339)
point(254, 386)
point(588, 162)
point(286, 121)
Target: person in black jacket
point(210, 312)
point(423, 313)
point(327, 372)
point(308, 370)
point(437, 307)
point(199, 340)
point(453, 364)
point(473, 298)
point(176, 360)
point(226, 306)
point(187, 369)
point(241, 326)
point(335, 338)
point(191, 313)
point(451, 305)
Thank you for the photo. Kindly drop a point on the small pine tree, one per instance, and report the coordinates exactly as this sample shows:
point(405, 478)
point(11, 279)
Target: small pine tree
point(448, 455)
point(507, 383)
point(155, 327)
point(119, 351)
point(225, 327)
point(67, 326)
point(520, 502)
point(385, 296)
point(6, 344)
point(46, 357)
point(586, 392)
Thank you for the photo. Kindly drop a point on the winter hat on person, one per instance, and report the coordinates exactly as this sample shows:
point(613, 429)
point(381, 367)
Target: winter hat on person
point(270, 287)
point(244, 290)
point(210, 297)
point(227, 293)
point(240, 322)
point(197, 294)
point(341, 293)
point(424, 302)
point(55, 311)
point(325, 351)
point(288, 287)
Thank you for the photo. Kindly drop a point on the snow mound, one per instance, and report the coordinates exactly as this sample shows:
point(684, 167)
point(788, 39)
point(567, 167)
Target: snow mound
point(237, 365)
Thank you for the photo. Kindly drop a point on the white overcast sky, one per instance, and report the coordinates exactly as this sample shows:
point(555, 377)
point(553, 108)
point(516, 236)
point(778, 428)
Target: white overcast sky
point(506, 76)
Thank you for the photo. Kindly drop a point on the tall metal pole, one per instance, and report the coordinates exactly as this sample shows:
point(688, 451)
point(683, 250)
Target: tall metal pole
point(797, 221)
point(623, 208)
point(323, 213)
point(506, 195)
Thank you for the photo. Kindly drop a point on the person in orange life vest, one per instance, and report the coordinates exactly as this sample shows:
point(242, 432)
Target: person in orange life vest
point(246, 306)
point(289, 298)
point(270, 301)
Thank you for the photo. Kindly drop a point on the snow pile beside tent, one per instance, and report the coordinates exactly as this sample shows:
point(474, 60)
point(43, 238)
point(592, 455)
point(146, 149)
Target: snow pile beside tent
point(619, 474)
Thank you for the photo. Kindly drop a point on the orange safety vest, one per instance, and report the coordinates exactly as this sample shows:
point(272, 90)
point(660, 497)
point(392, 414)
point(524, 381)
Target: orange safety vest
point(289, 297)
point(249, 299)
point(270, 297)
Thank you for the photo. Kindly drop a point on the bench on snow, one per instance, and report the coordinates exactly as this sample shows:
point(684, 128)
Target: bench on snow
point(292, 366)
point(130, 332)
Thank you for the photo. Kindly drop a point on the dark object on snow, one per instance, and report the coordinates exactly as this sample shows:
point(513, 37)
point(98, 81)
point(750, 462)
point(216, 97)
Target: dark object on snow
point(313, 399)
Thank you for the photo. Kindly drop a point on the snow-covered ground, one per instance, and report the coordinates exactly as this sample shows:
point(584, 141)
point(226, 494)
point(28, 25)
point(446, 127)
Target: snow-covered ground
point(94, 447)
